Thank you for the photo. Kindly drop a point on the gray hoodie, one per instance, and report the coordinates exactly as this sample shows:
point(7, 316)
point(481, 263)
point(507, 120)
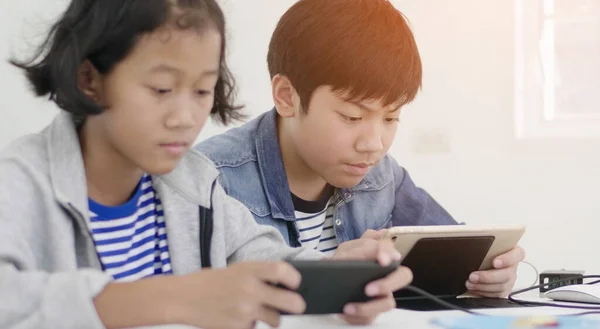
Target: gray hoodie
point(49, 269)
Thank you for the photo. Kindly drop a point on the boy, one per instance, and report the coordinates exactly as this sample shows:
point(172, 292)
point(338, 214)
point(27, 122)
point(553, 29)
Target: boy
point(316, 167)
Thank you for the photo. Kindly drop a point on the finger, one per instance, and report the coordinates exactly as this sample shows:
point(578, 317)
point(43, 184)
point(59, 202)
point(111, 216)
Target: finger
point(358, 320)
point(382, 233)
point(281, 299)
point(395, 281)
point(277, 273)
point(371, 308)
point(510, 258)
point(488, 288)
point(492, 276)
point(269, 316)
point(489, 294)
point(374, 235)
point(387, 253)
point(370, 234)
point(360, 249)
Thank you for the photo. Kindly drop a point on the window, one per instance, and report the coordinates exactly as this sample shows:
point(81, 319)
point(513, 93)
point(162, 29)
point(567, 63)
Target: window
point(557, 68)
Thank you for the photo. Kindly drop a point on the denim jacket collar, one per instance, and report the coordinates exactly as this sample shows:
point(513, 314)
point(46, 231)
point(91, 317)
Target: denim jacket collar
point(271, 168)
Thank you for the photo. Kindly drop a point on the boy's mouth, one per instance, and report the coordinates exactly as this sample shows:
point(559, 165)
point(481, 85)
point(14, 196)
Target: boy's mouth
point(175, 148)
point(359, 169)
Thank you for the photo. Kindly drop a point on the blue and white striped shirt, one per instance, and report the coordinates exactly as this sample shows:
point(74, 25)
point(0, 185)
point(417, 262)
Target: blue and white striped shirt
point(131, 239)
point(314, 220)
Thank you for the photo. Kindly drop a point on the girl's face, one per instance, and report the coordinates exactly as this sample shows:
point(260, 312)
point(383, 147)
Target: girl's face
point(157, 98)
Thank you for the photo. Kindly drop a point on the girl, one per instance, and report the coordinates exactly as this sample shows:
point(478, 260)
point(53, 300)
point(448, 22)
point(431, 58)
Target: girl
point(98, 209)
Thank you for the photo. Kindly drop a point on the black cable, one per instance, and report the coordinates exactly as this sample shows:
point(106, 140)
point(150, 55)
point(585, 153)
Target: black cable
point(586, 313)
point(450, 306)
point(439, 300)
point(537, 273)
point(531, 303)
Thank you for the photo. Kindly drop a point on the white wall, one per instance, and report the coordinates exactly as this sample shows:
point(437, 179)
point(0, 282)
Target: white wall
point(20, 28)
point(457, 140)
point(489, 176)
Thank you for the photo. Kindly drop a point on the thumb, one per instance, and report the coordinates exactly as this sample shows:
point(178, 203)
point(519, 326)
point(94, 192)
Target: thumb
point(375, 235)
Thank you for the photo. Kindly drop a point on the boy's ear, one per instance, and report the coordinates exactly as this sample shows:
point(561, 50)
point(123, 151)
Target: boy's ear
point(284, 96)
point(89, 81)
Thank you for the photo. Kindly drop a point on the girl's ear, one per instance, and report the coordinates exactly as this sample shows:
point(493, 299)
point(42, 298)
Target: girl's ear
point(89, 81)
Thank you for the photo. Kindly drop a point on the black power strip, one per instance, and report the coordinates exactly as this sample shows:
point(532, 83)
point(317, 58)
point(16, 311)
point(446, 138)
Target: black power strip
point(559, 278)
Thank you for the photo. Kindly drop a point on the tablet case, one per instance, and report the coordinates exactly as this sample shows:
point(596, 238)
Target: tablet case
point(441, 266)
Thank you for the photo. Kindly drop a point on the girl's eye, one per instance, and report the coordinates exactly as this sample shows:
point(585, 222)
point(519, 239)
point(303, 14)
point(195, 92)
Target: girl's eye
point(204, 92)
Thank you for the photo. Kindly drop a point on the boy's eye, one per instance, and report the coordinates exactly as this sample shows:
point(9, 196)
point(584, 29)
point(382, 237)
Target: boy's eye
point(392, 120)
point(350, 119)
point(161, 91)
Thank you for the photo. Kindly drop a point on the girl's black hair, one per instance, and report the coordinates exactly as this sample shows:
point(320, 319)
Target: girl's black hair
point(104, 32)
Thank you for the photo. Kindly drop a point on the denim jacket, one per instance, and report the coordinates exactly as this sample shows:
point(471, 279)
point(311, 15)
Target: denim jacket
point(252, 171)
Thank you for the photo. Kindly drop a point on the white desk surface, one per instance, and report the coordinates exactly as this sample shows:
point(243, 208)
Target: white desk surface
point(396, 319)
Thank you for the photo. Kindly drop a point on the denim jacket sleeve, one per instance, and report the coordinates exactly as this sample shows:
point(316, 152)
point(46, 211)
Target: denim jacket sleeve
point(414, 206)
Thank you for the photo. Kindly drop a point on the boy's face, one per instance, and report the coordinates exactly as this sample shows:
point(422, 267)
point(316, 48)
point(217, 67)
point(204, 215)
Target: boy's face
point(342, 140)
point(158, 98)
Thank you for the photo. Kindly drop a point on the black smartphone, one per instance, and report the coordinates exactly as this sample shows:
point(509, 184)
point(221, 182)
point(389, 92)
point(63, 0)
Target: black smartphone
point(328, 285)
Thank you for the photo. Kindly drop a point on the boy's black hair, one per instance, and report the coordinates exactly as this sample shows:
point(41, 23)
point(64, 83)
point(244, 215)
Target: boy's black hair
point(364, 48)
point(104, 32)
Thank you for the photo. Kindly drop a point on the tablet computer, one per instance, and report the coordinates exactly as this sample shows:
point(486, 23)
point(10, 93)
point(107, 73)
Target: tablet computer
point(328, 285)
point(442, 257)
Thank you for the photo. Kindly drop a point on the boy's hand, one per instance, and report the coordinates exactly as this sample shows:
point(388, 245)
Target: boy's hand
point(375, 235)
point(497, 282)
point(371, 246)
point(368, 247)
point(239, 296)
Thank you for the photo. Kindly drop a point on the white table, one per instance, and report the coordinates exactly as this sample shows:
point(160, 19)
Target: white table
point(407, 319)
point(403, 319)
point(398, 319)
